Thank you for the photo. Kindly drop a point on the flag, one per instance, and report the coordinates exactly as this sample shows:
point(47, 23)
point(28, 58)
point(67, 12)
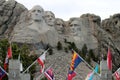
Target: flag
point(9, 53)
point(49, 74)
point(117, 74)
point(76, 59)
point(91, 75)
point(71, 75)
point(21, 67)
point(41, 60)
point(2, 73)
point(109, 60)
point(88, 76)
point(6, 63)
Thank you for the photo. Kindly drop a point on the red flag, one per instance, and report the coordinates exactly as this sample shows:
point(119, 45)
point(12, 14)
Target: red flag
point(6, 63)
point(109, 60)
point(117, 75)
point(9, 53)
point(71, 75)
point(41, 62)
point(49, 74)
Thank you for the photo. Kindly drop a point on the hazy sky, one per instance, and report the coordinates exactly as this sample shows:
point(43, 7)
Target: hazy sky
point(74, 8)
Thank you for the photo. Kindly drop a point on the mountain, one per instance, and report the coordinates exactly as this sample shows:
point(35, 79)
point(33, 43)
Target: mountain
point(20, 25)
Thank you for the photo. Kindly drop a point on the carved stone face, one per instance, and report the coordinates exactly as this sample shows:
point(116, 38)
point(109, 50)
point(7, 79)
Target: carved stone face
point(49, 18)
point(75, 27)
point(59, 25)
point(37, 13)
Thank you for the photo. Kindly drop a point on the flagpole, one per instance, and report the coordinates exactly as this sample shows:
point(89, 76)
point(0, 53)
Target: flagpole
point(4, 71)
point(86, 63)
point(44, 71)
point(34, 62)
point(115, 71)
point(29, 66)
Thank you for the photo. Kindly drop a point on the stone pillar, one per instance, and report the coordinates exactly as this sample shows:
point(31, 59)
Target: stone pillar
point(105, 73)
point(14, 70)
point(25, 76)
point(96, 77)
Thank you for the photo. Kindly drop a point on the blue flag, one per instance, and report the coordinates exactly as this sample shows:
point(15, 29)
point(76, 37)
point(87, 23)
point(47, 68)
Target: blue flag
point(76, 59)
point(2, 73)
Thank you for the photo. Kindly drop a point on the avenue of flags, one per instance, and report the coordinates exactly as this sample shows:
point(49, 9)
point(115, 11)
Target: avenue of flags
point(48, 73)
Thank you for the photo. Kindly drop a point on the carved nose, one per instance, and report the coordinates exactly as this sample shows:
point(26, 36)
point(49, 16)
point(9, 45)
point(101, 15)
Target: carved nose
point(36, 13)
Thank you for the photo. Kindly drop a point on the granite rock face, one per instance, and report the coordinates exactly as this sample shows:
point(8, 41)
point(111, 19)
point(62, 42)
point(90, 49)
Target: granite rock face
point(109, 35)
point(10, 12)
point(32, 28)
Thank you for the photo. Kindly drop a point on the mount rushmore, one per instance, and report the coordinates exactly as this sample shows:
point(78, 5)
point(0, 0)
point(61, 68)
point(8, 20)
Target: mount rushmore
point(36, 26)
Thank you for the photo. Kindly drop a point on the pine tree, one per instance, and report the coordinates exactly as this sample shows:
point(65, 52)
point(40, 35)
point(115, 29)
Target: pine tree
point(59, 46)
point(84, 50)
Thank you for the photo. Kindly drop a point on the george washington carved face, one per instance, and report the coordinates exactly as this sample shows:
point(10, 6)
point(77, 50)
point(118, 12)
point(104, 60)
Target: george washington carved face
point(37, 13)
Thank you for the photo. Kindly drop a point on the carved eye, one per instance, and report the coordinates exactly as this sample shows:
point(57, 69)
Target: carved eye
point(58, 24)
point(38, 11)
point(116, 22)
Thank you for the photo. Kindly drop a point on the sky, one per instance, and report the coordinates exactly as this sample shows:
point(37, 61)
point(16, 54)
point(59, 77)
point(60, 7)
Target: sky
point(66, 9)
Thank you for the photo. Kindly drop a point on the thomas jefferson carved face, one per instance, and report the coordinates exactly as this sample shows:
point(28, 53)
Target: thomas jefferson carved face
point(49, 18)
point(37, 13)
point(75, 27)
point(59, 25)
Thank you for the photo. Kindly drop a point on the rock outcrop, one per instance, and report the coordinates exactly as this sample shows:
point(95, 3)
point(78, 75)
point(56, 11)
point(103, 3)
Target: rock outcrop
point(10, 12)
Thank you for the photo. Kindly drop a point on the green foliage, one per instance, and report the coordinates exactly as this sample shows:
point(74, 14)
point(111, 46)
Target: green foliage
point(92, 55)
point(65, 40)
point(84, 50)
point(66, 49)
point(88, 59)
point(3, 50)
point(44, 78)
point(71, 45)
point(23, 50)
point(105, 56)
point(50, 51)
point(59, 46)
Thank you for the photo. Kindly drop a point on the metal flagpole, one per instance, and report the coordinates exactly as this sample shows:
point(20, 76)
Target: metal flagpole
point(115, 71)
point(30, 66)
point(4, 70)
point(87, 63)
point(38, 78)
point(34, 62)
